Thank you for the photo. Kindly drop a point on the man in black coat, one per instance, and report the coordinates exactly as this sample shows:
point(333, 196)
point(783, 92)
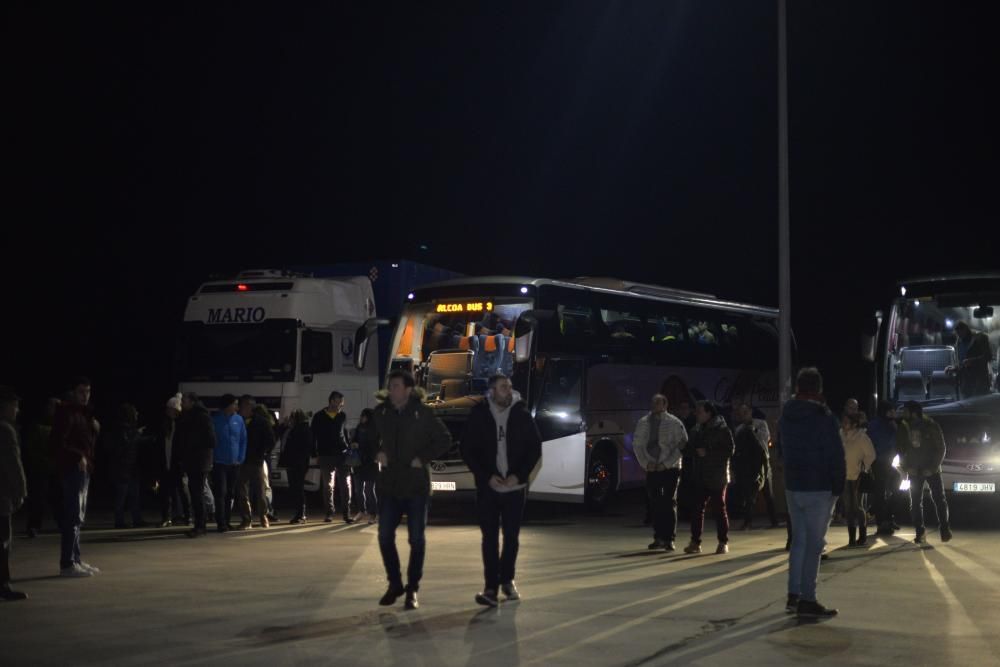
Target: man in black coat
point(329, 431)
point(194, 437)
point(501, 446)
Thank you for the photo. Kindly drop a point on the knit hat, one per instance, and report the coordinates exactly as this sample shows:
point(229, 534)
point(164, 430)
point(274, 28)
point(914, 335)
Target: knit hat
point(174, 402)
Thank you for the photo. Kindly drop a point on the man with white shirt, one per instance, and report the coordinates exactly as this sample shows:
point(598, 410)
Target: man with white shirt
point(501, 446)
point(658, 443)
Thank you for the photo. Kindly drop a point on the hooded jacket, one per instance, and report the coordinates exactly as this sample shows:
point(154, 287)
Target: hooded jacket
point(711, 470)
point(921, 446)
point(672, 437)
point(811, 449)
point(230, 439)
point(479, 443)
point(403, 435)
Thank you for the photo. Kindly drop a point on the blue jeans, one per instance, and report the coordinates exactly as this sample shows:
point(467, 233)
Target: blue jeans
point(809, 512)
point(75, 485)
point(391, 512)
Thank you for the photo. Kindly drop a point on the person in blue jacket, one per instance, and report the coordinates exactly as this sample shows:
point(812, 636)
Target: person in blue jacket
point(230, 452)
point(815, 473)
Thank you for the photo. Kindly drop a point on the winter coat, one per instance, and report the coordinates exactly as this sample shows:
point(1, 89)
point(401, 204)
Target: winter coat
point(328, 432)
point(121, 445)
point(260, 441)
point(749, 463)
point(811, 449)
point(194, 438)
point(298, 448)
point(153, 452)
point(479, 443)
point(74, 436)
point(859, 453)
point(921, 446)
point(364, 436)
point(712, 470)
point(230, 439)
point(403, 435)
point(13, 487)
point(672, 437)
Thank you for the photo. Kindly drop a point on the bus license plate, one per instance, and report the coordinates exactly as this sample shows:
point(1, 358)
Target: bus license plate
point(442, 486)
point(975, 487)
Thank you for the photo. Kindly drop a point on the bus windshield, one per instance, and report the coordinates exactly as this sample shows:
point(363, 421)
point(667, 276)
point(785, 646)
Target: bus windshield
point(260, 351)
point(454, 346)
point(942, 348)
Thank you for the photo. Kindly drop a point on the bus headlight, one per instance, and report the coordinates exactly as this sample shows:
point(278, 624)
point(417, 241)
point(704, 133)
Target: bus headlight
point(904, 485)
point(895, 461)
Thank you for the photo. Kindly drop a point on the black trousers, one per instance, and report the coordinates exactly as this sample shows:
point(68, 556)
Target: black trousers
point(171, 489)
point(917, 500)
point(500, 511)
point(196, 483)
point(661, 493)
point(6, 537)
point(886, 484)
point(297, 489)
point(224, 489)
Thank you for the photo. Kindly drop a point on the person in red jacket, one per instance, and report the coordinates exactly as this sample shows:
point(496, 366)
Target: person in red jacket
point(74, 435)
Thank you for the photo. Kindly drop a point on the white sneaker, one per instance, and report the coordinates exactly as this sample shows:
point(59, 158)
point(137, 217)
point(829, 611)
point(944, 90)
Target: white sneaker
point(75, 570)
point(90, 568)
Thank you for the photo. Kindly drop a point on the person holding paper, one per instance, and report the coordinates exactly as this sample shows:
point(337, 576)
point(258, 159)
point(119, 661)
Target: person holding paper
point(501, 446)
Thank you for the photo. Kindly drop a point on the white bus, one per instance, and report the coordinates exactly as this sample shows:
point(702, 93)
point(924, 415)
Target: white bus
point(916, 346)
point(286, 339)
point(587, 355)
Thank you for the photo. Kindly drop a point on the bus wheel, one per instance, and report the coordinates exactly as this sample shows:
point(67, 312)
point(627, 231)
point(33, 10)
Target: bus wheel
point(600, 480)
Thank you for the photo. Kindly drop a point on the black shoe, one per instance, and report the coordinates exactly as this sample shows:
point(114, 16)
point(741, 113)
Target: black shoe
point(329, 518)
point(656, 544)
point(921, 538)
point(12, 596)
point(946, 534)
point(391, 595)
point(196, 532)
point(488, 598)
point(669, 546)
point(792, 604)
point(510, 591)
point(824, 556)
point(411, 601)
point(813, 609)
point(348, 519)
point(166, 523)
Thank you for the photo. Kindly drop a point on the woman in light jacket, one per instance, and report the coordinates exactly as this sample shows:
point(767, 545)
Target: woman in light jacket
point(860, 455)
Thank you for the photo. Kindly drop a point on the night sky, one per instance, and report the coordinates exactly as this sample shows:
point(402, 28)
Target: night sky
point(148, 146)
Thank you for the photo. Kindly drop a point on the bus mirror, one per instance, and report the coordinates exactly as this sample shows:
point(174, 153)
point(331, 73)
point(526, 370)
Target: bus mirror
point(983, 312)
point(361, 338)
point(522, 346)
point(868, 347)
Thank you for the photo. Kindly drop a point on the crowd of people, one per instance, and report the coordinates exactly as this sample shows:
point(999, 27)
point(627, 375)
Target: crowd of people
point(202, 464)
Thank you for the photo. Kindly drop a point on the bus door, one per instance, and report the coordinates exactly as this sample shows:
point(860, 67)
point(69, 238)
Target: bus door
point(559, 416)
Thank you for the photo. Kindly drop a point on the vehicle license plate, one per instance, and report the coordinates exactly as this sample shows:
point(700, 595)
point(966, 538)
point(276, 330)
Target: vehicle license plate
point(443, 486)
point(975, 487)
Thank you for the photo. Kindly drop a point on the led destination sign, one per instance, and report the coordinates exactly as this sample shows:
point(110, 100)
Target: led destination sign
point(465, 307)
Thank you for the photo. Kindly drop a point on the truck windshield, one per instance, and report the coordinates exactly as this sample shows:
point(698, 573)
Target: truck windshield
point(943, 348)
point(454, 347)
point(262, 351)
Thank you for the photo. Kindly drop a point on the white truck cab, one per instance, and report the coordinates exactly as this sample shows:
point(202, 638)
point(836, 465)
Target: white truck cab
point(286, 339)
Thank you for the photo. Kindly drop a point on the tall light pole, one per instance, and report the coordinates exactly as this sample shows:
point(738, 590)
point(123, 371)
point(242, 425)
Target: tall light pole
point(784, 288)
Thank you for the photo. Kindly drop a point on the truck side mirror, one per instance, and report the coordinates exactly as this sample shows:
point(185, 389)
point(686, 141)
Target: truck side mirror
point(361, 338)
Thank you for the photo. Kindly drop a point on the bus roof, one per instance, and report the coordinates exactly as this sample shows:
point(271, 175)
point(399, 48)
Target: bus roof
point(618, 287)
point(949, 278)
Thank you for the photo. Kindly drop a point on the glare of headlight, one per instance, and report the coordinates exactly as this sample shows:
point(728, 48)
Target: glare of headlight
point(904, 485)
point(895, 461)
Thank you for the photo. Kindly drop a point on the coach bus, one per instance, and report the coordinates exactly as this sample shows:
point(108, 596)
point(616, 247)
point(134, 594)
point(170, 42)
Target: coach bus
point(587, 355)
point(919, 356)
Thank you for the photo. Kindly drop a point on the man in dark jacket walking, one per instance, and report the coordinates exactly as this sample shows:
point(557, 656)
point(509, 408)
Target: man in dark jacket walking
point(250, 495)
point(921, 451)
point(194, 437)
point(501, 446)
point(815, 472)
point(712, 445)
point(328, 428)
point(410, 436)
